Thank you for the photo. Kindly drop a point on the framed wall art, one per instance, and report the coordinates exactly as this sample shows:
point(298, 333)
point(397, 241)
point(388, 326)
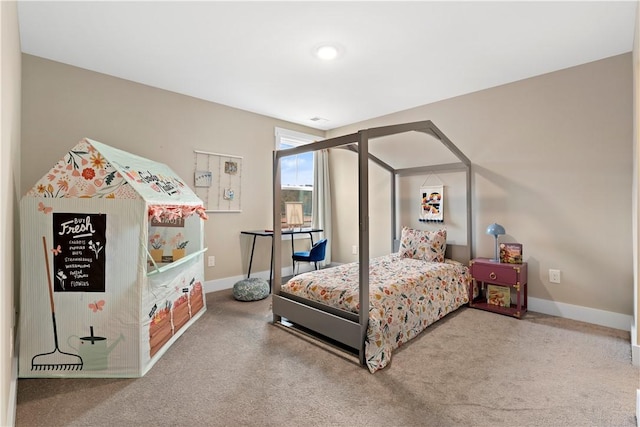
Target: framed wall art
point(432, 203)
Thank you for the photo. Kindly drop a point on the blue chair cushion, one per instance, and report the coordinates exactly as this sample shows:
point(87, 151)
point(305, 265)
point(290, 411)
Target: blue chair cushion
point(251, 289)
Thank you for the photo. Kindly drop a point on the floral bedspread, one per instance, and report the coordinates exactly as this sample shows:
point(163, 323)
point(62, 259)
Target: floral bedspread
point(406, 295)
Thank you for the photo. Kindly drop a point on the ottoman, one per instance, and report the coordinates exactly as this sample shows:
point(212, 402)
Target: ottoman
point(251, 289)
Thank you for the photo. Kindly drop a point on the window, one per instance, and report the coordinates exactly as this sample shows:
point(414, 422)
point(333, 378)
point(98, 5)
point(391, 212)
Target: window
point(296, 174)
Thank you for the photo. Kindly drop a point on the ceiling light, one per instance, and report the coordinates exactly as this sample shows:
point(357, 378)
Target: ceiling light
point(327, 52)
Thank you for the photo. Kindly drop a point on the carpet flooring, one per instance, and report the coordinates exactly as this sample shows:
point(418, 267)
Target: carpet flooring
point(472, 368)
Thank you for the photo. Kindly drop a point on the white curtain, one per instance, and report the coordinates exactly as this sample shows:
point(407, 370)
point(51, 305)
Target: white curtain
point(321, 203)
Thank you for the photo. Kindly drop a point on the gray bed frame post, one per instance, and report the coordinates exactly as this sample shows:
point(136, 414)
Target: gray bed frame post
point(276, 247)
point(394, 211)
point(363, 240)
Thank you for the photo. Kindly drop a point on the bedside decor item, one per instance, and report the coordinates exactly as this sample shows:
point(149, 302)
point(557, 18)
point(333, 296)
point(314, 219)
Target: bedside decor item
point(495, 230)
point(511, 253)
point(499, 295)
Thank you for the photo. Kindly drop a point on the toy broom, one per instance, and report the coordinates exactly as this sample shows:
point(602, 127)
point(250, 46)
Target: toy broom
point(55, 359)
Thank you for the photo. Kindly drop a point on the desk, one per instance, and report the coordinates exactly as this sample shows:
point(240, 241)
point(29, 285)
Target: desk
point(269, 233)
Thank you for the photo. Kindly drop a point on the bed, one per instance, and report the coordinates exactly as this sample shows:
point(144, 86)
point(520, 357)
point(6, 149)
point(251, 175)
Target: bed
point(406, 295)
point(404, 292)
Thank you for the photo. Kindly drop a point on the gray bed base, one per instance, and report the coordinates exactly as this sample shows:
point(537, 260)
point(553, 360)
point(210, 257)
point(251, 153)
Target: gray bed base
point(344, 327)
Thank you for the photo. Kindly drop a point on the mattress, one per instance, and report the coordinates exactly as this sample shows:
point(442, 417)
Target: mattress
point(405, 296)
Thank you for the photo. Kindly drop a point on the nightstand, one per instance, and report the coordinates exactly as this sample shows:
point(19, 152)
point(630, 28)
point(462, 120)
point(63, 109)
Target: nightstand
point(513, 277)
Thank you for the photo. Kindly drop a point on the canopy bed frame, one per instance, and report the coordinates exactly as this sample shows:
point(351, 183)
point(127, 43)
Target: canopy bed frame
point(340, 326)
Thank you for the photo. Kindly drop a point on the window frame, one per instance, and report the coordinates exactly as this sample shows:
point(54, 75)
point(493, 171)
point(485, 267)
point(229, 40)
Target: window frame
point(292, 137)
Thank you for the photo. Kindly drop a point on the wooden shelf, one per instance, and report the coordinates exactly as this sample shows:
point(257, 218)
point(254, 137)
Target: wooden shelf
point(509, 311)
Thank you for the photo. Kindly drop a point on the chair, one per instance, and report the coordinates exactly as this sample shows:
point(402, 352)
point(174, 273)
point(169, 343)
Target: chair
point(315, 254)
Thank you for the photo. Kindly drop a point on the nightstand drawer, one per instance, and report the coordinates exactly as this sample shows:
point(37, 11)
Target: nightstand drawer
point(499, 273)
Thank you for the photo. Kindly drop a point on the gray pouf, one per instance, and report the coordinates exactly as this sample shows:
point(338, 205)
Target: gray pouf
point(251, 289)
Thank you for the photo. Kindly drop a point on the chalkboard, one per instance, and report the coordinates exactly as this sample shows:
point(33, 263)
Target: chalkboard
point(79, 249)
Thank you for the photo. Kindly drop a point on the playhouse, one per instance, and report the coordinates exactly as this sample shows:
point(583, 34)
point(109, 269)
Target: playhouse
point(112, 265)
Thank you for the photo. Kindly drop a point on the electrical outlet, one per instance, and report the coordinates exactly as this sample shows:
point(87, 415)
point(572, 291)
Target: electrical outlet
point(554, 276)
point(212, 261)
point(354, 250)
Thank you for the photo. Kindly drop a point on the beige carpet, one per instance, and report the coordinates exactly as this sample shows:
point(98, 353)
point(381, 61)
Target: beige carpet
point(473, 368)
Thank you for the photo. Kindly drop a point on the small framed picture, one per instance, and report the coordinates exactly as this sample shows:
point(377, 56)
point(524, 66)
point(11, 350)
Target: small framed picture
point(511, 253)
point(203, 178)
point(231, 168)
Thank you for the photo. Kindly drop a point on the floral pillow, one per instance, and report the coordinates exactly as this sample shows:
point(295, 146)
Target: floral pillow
point(424, 245)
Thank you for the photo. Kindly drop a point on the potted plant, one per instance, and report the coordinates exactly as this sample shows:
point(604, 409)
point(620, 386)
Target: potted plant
point(179, 246)
point(156, 250)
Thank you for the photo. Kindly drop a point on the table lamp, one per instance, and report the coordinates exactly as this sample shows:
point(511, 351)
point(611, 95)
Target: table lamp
point(495, 230)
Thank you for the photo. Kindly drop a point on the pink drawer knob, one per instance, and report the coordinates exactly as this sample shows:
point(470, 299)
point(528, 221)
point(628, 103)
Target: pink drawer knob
point(492, 276)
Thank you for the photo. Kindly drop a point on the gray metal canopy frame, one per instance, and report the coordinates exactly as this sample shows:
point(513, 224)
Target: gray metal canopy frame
point(341, 326)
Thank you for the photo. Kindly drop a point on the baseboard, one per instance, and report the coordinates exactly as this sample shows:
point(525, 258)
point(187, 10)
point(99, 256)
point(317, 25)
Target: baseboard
point(569, 311)
point(638, 407)
point(583, 314)
point(635, 348)
point(635, 356)
point(228, 282)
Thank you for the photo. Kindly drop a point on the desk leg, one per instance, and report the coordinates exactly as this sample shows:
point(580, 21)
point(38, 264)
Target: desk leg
point(271, 267)
point(251, 258)
point(293, 263)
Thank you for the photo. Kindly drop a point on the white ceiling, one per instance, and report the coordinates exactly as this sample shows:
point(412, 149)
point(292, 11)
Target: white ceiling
point(258, 56)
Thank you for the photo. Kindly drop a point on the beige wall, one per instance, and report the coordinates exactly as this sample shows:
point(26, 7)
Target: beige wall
point(62, 104)
point(552, 163)
point(551, 154)
point(9, 197)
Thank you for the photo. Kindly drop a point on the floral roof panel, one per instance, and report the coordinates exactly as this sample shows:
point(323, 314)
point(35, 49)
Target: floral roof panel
point(92, 169)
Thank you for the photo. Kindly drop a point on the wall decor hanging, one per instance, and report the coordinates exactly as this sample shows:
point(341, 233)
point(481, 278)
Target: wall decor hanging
point(432, 203)
point(218, 181)
point(203, 178)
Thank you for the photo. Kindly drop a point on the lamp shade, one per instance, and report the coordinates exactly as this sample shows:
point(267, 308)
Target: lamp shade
point(495, 229)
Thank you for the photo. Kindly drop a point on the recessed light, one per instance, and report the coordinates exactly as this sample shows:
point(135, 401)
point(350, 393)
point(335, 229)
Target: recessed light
point(327, 52)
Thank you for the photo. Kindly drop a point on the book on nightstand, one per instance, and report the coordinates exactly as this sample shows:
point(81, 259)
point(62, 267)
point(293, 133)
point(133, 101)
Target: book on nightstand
point(511, 253)
point(499, 295)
